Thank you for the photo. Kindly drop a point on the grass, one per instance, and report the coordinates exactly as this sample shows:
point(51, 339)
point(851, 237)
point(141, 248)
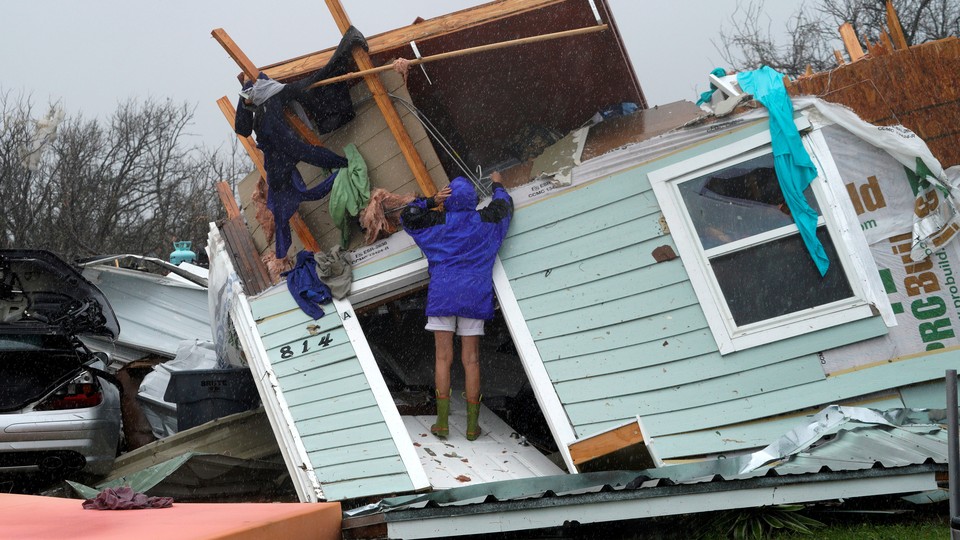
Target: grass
point(921, 524)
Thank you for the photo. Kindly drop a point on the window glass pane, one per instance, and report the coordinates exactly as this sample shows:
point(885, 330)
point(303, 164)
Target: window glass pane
point(777, 278)
point(737, 202)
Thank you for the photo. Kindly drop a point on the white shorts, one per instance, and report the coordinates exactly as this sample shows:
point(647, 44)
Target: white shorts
point(463, 325)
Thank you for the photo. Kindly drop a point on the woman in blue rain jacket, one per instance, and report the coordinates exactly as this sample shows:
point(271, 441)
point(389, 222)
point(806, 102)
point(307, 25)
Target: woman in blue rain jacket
point(461, 245)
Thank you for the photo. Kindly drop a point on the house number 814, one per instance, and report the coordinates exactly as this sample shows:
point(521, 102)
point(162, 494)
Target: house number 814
point(287, 351)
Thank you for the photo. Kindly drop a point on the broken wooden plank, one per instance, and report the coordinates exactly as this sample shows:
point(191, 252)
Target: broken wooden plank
point(251, 269)
point(850, 42)
point(886, 41)
point(839, 56)
point(360, 56)
point(893, 24)
point(606, 442)
point(228, 200)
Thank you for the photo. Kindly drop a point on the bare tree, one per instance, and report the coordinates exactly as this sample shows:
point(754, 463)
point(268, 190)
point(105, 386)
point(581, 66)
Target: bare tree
point(811, 33)
point(130, 184)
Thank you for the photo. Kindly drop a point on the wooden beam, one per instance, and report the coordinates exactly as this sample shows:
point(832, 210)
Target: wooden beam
point(463, 52)
point(246, 65)
point(606, 443)
point(401, 37)
point(839, 56)
point(229, 201)
point(850, 42)
point(245, 257)
point(249, 69)
point(887, 42)
point(414, 161)
point(893, 24)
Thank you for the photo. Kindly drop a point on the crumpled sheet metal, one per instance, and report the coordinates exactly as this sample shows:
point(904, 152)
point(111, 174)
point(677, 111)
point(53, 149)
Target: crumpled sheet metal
point(839, 438)
point(830, 421)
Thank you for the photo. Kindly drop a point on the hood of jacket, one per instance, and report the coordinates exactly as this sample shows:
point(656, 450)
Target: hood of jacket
point(463, 196)
point(263, 89)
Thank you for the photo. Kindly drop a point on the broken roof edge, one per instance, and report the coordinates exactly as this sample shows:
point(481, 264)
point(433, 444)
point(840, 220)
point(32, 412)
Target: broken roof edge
point(399, 37)
point(770, 465)
point(602, 504)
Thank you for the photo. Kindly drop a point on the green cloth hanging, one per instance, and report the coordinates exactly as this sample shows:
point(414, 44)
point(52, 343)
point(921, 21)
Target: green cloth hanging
point(350, 193)
point(795, 169)
point(705, 96)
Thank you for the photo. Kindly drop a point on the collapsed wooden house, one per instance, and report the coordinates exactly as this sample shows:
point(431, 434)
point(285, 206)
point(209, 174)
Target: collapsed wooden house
point(645, 332)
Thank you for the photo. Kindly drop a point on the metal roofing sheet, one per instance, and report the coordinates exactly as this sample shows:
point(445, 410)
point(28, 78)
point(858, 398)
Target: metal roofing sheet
point(835, 440)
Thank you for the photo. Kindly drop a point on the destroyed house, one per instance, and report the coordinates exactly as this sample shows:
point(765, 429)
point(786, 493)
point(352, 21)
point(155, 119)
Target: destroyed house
point(656, 301)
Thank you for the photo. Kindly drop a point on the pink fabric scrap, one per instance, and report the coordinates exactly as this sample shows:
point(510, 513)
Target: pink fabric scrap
point(381, 217)
point(263, 214)
point(125, 498)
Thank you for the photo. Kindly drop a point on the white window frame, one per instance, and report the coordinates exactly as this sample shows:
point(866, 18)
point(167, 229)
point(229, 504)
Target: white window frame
point(848, 241)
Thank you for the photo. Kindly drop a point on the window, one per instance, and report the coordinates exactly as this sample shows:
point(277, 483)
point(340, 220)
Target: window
point(747, 262)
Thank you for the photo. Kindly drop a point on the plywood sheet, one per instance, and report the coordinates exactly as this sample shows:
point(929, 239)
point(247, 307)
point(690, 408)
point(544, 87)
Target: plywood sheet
point(916, 87)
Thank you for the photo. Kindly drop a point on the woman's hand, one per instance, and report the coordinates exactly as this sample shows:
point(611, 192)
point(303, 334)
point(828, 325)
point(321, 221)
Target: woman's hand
point(442, 195)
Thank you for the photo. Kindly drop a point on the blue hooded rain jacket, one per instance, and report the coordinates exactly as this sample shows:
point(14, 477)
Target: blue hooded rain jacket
point(461, 245)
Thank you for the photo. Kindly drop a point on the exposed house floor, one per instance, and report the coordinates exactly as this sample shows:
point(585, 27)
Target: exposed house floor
point(499, 454)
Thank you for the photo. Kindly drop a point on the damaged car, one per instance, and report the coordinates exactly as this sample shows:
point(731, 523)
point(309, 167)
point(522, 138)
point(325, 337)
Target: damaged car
point(59, 412)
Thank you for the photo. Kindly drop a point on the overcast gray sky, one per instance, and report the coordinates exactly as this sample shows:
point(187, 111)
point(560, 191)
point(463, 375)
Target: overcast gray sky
point(92, 54)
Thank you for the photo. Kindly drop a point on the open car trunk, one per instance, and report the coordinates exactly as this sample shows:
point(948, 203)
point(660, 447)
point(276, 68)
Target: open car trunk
point(28, 376)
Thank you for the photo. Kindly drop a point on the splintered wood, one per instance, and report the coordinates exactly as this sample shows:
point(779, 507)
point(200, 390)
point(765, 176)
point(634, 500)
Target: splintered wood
point(916, 87)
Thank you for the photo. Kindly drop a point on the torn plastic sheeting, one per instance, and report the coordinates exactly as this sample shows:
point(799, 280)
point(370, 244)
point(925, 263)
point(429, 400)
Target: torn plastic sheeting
point(940, 225)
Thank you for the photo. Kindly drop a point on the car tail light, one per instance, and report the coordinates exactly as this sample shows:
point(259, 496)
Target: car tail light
point(83, 391)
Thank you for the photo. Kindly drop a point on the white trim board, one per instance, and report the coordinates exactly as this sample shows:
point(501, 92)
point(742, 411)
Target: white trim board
point(543, 389)
point(304, 477)
point(398, 431)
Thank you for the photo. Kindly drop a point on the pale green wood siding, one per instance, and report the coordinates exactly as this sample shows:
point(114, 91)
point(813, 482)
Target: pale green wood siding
point(388, 263)
point(622, 335)
point(749, 435)
point(330, 400)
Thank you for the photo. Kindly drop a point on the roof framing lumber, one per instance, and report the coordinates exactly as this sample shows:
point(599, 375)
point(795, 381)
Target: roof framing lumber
point(250, 70)
point(229, 201)
point(401, 37)
point(893, 24)
point(385, 104)
point(850, 42)
point(462, 52)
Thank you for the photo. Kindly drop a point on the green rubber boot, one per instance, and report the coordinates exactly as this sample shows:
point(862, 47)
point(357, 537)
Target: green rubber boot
point(442, 428)
point(473, 420)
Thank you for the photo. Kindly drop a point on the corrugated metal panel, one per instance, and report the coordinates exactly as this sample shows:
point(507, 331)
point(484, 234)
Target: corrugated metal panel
point(836, 439)
point(155, 312)
point(330, 399)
